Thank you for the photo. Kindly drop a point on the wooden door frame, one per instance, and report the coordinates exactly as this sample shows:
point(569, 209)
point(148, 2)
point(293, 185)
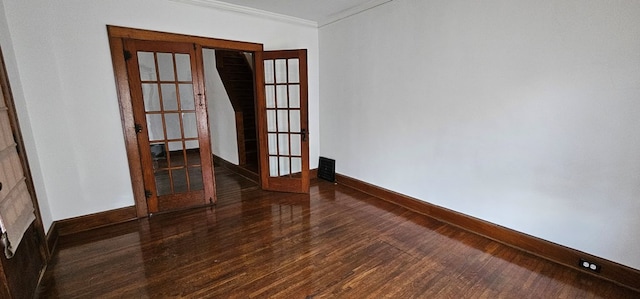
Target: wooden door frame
point(117, 35)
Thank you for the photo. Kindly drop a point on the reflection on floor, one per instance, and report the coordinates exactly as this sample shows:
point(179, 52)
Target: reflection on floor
point(335, 242)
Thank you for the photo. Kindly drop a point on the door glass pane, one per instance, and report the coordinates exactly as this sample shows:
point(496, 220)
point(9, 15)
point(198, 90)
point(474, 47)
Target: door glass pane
point(283, 144)
point(271, 121)
point(189, 144)
point(169, 97)
point(273, 166)
point(283, 121)
point(172, 121)
point(296, 165)
point(163, 182)
point(175, 146)
point(179, 177)
point(281, 96)
point(147, 66)
point(281, 70)
point(186, 97)
point(159, 156)
point(296, 145)
point(176, 154)
point(273, 144)
point(294, 74)
point(190, 125)
point(150, 97)
point(183, 67)
point(270, 96)
point(268, 72)
point(294, 96)
point(154, 127)
point(195, 178)
point(193, 153)
point(284, 166)
point(165, 66)
point(294, 121)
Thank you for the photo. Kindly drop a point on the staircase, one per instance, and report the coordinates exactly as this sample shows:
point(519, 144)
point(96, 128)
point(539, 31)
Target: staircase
point(237, 77)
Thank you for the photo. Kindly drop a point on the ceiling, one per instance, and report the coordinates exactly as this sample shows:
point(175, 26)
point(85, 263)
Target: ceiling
point(320, 11)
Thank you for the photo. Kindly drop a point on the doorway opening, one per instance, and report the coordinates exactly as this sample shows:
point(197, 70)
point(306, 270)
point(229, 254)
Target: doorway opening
point(229, 79)
point(280, 116)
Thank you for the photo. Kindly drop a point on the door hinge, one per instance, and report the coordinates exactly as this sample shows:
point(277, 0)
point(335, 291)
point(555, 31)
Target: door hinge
point(138, 128)
point(127, 55)
point(147, 194)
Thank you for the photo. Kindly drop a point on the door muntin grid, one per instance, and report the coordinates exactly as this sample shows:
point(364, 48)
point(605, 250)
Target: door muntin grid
point(283, 114)
point(170, 111)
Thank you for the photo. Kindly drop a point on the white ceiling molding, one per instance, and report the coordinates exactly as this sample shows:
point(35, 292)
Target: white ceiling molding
point(352, 11)
point(249, 11)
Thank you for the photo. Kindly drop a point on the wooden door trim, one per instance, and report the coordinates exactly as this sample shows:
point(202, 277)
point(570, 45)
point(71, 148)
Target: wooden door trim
point(128, 124)
point(199, 83)
point(205, 42)
point(117, 36)
point(569, 257)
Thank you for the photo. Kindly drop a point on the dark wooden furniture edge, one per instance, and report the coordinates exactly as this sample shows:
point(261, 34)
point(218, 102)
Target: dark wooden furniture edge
point(612, 271)
point(87, 222)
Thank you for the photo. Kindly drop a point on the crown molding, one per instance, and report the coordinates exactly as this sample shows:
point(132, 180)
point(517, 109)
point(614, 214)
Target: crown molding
point(249, 11)
point(352, 11)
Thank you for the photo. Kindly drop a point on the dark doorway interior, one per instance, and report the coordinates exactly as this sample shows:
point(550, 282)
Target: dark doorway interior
point(236, 72)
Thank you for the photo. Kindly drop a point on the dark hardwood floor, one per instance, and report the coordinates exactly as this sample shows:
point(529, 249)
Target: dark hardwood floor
point(334, 243)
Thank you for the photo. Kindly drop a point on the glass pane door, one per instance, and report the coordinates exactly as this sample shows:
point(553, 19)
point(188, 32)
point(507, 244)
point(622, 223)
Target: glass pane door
point(283, 117)
point(167, 91)
point(171, 115)
point(284, 134)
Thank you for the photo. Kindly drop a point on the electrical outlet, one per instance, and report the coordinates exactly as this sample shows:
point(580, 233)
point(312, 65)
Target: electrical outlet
point(587, 265)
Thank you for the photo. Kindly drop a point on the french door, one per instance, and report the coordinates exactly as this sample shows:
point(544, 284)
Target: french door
point(283, 120)
point(160, 85)
point(170, 114)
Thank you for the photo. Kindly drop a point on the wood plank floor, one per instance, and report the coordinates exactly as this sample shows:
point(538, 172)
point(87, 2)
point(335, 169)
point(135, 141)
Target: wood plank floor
point(334, 243)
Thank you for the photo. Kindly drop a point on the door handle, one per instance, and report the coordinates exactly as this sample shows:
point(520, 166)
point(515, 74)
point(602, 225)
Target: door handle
point(303, 132)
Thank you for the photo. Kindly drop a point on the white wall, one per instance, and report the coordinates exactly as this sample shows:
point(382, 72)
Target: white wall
point(64, 64)
point(521, 113)
point(222, 120)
